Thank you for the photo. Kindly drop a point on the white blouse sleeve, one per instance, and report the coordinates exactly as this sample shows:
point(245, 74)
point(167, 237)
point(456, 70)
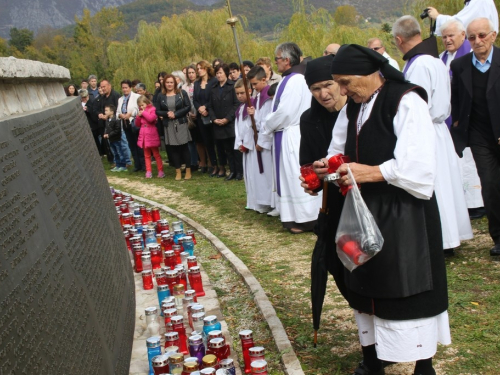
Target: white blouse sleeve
point(413, 167)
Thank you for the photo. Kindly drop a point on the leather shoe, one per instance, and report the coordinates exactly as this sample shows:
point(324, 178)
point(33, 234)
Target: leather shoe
point(203, 169)
point(477, 213)
point(495, 250)
point(363, 370)
point(214, 172)
point(239, 177)
point(231, 176)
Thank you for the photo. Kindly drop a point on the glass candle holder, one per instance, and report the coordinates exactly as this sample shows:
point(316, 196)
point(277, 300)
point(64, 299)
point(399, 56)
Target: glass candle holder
point(189, 368)
point(191, 262)
point(228, 365)
point(146, 261)
point(198, 323)
point(137, 250)
point(215, 334)
point(219, 348)
point(178, 326)
point(172, 280)
point(311, 178)
point(176, 363)
point(163, 292)
point(147, 280)
point(172, 339)
point(160, 364)
point(182, 275)
point(191, 293)
point(259, 367)
point(162, 225)
point(177, 250)
point(195, 281)
point(156, 255)
point(155, 214)
point(179, 295)
point(166, 242)
point(210, 361)
point(154, 349)
point(152, 325)
point(256, 353)
point(190, 233)
point(170, 259)
point(161, 277)
point(188, 245)
point(246, 337)
point(168, 314)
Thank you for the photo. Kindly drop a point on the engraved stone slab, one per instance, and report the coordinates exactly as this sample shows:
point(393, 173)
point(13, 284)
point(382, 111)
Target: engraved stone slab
point(67, 303)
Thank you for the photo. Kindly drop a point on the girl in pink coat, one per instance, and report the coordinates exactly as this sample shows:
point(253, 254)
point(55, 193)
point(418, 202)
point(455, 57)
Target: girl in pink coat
point(149, 140)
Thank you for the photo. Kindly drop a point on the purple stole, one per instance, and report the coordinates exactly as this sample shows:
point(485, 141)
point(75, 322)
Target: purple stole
point(463, 50)
point(408, 64)
point(264, 97)
point(278, 135)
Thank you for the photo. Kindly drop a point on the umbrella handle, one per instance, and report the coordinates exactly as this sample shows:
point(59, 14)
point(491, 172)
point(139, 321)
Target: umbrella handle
point(315, 338)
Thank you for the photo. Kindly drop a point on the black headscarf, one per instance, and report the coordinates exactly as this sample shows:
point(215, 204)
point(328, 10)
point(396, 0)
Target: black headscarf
point(319, 70)
point(353, 59)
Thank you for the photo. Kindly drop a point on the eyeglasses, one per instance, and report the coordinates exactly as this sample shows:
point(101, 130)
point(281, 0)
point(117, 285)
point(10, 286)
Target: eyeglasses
point(376, 48)
point(472, 38)
point(278, 58)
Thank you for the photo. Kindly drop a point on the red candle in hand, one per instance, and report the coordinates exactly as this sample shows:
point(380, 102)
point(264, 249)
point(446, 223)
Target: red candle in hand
point(312, 179)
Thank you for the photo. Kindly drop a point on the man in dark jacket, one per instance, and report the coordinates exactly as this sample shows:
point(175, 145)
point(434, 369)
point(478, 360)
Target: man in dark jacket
point(110, 97)
point(475, 94)
point(88, 105)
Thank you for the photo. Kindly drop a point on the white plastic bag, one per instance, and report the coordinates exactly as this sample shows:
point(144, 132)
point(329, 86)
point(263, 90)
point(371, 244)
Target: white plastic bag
point(358, 237)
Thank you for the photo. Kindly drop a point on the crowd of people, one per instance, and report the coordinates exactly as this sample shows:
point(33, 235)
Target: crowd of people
point(423, 146)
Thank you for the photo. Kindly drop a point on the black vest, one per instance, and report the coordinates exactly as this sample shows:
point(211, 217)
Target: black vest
point(479, 115)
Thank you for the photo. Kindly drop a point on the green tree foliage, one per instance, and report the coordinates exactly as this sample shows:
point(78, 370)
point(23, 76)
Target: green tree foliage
point(386, 28)
point(4, 48)
point(346, 15)
point(20, 39)
point(179, 41)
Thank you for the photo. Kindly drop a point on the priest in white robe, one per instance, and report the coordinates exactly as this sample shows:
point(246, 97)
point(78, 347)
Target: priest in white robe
point(298, 210)
point(456, 45)
point(426, 70)
point(399, 297)
point(472, 9)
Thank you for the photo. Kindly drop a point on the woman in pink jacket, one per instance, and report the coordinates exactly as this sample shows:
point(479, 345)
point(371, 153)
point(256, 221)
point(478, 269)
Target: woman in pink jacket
point(149, 140)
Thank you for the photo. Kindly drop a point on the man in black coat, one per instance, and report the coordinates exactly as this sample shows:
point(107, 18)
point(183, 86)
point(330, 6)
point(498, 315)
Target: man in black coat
point(475, 94)
point(89, 107)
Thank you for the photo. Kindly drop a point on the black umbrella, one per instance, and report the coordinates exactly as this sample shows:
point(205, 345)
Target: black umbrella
point(324, 257)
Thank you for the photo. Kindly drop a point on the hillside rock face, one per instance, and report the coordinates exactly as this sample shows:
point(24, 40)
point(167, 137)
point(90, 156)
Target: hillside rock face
point(34, 14)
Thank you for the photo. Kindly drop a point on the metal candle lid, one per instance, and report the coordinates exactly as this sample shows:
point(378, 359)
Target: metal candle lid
point(215, 334)
point(191, 259)
point(153, 246)
point(165, 236)
point(210, 320)
point(259, 366)
point(256, 351)
point(162, 288)
point(151, 310)
point(146, 256)
point(176, 247)
point(169, 253)
point(198, 316)
point(125, 233)
point(197, 308)
point(178, 288)
point(163, 221)
point(171, 336)
point(160, 360)
point(168, 306)
point(187, 300)
point(128, 227)
point(195, 340)
point(209, 360)
point(208, 371)
point(178, 319)
point(219, 342)
point(190, 293)
point(189, 232)
point(147, 273)
point(195, 269)
point(150, 231)
point(171, 274)
point(168, 299)
point(226, 363)
point(177, 358)
point(246, 334)
point(190, 366)
point(153, 342)
point(170, 313)
point(187, 239)
point(177, 231)
point(169, 350)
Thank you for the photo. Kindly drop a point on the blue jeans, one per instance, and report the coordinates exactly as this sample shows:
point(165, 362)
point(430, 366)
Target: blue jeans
point(118, 153)
point(125, 149)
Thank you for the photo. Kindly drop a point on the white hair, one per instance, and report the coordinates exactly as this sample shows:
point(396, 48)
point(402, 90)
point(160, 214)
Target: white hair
point(490, 23)
point(179, 74)
point(406, 27)
point(452, 23)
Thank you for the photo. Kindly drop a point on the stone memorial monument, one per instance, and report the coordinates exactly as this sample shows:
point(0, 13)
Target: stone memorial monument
point(67, 303)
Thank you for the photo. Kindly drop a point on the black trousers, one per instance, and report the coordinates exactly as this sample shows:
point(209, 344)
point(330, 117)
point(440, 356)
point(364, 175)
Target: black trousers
point(228, 155)
point(137, 152)
point(486, 154)
point(180, 154)
point(105, 148)
point(96, 133)
point(207, 134)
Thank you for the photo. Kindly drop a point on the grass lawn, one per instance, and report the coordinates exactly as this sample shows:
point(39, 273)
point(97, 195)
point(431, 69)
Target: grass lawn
point(281, 262)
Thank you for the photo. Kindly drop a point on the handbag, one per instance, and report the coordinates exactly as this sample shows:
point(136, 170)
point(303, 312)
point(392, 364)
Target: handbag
point(191, 122)
point(206, 120)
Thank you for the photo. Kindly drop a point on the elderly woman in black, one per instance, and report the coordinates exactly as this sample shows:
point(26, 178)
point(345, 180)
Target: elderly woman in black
point(173, 107)
point(221, 109)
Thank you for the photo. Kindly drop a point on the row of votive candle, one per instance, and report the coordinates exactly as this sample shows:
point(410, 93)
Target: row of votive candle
point(205, 351)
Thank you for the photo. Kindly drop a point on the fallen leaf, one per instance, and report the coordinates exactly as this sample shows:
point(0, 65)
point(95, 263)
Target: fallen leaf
point(216, 256)
point(475, 303)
